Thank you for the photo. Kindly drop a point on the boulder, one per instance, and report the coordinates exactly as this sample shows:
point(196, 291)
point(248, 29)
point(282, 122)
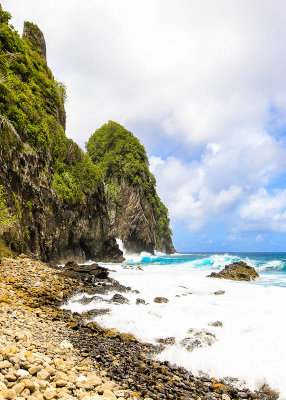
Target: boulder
point(118, 298)
point(160, 300)
point(88, 273)
point(199, 338)
point(237, 271)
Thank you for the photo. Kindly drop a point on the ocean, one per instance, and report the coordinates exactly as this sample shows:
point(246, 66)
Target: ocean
point(238, 334)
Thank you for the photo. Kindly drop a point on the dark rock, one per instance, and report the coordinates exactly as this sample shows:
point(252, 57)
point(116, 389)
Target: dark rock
point(216, 324)
point(140, 301)
point(135, 222)
point(237, 271)
point(96, 312)
point(53, 264)
point(118, 298)
point(219, 292)
point(87, 273)
point(166, 341)
point(160, 300)
point(87, 300)
point(200, 338)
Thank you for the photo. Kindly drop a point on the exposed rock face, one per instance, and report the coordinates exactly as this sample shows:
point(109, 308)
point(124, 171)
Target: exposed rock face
point(49, 229)
point(36, 37)
point(54, 193)
point(135, 221)
point(237, 271)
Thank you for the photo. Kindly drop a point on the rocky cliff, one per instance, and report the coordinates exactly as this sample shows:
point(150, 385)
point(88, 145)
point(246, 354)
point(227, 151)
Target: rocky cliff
point(137, 215)
point(55, 203)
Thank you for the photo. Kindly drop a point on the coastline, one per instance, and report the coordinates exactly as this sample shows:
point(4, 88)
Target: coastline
point(31, 295)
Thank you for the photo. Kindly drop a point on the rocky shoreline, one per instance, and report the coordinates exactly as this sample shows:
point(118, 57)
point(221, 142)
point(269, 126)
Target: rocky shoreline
point(48, 353)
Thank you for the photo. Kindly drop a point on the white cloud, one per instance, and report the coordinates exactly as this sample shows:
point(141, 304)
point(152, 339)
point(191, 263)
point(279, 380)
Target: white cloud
point(226, 185)
point(203, 70)
point(211, 74)
point(259, 238)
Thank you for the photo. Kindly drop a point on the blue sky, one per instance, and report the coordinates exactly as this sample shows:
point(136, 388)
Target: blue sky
point(202, 85)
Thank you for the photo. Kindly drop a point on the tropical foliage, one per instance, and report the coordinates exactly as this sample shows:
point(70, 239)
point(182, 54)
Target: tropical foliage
point(32, 104)
point(121, 156)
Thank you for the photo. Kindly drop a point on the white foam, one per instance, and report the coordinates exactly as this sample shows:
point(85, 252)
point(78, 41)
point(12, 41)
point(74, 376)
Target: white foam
point(251, 344)
point(132, 258)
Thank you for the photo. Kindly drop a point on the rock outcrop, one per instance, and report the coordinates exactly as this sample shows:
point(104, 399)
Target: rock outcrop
point(58, 198)
point(237, 271)
point(138, 216)
point(46, 228)
point(35, 37)
point(135, 222)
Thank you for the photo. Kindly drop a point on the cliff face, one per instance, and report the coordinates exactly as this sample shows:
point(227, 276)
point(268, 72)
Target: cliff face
point(137, 215)
point(56, 203)
point(45, 227)
point(134, 222)
point(50, 190)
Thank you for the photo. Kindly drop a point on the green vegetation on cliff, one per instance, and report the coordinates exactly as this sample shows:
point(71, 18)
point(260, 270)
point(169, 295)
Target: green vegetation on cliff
point(32, 123)
point(32, 103)
point(121, 156)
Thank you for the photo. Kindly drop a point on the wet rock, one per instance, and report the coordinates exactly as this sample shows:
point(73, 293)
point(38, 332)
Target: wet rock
point(199, 338)
point(88, 273)
point(160, 300)
point(216, 324)
point(95, 312)
point(118, 298)
point(87, 300)
point(237, 271)
point(219, 292)
point(167, 341)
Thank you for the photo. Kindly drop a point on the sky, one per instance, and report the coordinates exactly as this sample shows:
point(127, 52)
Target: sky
point(202, 84)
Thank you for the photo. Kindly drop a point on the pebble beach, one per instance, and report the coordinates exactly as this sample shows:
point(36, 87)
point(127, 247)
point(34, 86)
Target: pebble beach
point(49, 353)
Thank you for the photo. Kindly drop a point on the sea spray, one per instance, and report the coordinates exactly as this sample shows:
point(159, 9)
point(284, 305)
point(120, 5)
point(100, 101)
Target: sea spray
point(250, 341)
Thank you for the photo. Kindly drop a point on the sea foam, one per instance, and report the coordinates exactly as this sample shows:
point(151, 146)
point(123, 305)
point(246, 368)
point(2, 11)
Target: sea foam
point(250, 345)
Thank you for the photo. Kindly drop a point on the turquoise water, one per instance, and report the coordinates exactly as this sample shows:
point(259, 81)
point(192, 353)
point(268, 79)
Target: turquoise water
point(250, 345)
point(270, 266)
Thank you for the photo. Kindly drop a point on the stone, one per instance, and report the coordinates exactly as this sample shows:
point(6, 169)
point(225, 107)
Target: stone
point(29, 384)
point(61, 383)
point(10, 377)
point(219, 292)
point(50, 394)
point(140, 301)
point(34, 369)
point(225, 397)
point(2, 386)
point(160, 300)
point(167, 341)
point(88, 273)
point(237, 271)
point(65, 344)
point(216, 324)
point(43, 374)
point(112, 333)
point(5, 364)
point(19, 387)
point(109, 395)
point(22, 372)
point(9, 394)
point(118, 298)
point(50, 370)
point(105, 386)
